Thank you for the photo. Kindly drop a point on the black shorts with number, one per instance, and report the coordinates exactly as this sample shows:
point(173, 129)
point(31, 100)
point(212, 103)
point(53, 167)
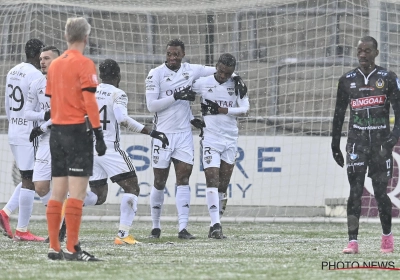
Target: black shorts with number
point(378, 161)
point(71, 148)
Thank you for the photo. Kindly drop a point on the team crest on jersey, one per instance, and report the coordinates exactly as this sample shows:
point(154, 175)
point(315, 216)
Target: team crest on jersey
point(208, 159)
point(185, 75)
point(155, 159)
point(380, 83)
point(231, 91)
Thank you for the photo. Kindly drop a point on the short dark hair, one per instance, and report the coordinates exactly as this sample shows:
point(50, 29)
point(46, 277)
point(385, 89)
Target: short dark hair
point(109, 69)
point(33, 47)
point(227, 59)
point(176, 43)
point(51, 48)
point(366, 39)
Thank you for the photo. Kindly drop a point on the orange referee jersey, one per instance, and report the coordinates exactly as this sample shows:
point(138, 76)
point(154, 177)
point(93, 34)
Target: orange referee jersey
point(67, 78)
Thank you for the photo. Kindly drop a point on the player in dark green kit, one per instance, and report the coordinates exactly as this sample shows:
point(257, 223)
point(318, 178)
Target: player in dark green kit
point(369, 90)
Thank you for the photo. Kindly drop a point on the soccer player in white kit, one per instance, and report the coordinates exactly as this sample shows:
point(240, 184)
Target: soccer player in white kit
point(116, 164)
point(18, 81)
point(168, 96)
point(221, 104)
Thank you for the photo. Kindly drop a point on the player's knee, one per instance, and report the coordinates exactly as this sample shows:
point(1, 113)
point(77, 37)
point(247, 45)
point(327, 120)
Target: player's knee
point(101, 198)
point(41, 189)
point(100, 188)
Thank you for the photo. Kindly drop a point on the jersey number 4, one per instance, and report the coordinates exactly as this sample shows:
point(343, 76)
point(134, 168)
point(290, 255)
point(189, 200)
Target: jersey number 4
point(104, 120)
point(18, 98)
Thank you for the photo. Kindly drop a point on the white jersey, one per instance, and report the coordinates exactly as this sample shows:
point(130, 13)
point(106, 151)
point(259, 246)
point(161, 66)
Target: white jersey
point(18, 81)
point(172, 116)
point(221, 125)
point(38, 103)
point(110, 99)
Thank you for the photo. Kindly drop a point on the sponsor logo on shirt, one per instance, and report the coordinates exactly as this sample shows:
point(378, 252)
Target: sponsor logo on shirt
point(368, 102)
point(382, 73)
point(351, 75)
point(353, 85)
point(366, 88)
point(368, 121)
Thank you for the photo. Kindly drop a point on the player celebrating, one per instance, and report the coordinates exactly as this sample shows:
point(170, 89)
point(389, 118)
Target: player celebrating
point(168, 95)
point(220, 107)
point(18, 81)
point(369, 89)
point(116, 163)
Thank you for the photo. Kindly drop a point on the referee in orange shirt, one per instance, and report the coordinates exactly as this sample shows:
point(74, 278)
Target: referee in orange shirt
point(71, 84)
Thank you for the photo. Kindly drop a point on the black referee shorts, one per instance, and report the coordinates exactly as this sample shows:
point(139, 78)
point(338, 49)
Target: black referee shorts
point(71, 148)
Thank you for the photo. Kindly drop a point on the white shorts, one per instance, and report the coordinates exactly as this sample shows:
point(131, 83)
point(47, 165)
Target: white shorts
point(214, 150)
point(112, 164)
point(180, 147)
point(42, 167)
point(24, 156)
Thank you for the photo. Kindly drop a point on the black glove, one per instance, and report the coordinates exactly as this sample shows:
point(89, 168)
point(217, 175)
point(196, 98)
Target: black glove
point(388, 144)
point(36, 132)
point(211, 107)
point(240, 86)
point(200, 124)
point(47, 115)
point(160, 136)
point(185, 94)
point(338, 156)
point(100, 145)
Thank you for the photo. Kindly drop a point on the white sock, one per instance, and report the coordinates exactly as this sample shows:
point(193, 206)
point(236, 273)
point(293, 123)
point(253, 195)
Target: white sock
point(387, 234)
point(26, 198)
point(183, 205)
point(128, 210)
point(45, 199)
point(156, 204)
point(13, 202)
point(90, 199)
point(213, 204)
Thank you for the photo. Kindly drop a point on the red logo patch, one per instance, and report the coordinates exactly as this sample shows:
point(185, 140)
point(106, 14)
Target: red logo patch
point(368, 102)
